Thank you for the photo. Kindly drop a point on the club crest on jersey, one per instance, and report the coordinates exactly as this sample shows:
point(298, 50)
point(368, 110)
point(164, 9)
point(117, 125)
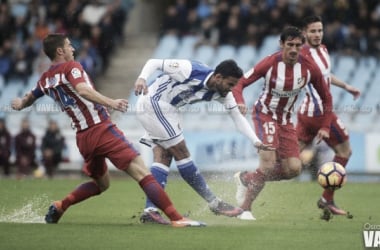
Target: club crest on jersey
point(270, 138)
point(301, 81)
point(174, 65)
point(75, 72)
point(52, 81)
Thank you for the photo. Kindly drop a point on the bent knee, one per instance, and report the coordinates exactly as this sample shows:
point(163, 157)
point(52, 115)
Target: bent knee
point(103, 184)
point(345, 153)
point(103, 188)
point(294, 169)
point(343, 150)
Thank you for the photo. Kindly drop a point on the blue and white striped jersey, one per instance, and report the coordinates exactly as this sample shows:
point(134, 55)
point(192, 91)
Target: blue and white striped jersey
point(182, 82)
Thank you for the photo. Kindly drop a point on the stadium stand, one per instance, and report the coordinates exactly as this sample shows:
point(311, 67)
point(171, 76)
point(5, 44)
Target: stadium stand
point(358, 65)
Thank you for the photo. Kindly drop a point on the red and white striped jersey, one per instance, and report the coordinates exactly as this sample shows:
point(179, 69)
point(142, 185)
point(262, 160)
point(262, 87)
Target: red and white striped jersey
point(282, 85)
point(312, 103)
point(58, 82)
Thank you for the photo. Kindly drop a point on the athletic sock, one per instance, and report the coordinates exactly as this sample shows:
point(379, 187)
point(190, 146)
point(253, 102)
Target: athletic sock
point(341, 160)
point(160, 173)
point(255, 183)
point(82, 192)
point(193, 177)
point(328, 194)
point(157, 195)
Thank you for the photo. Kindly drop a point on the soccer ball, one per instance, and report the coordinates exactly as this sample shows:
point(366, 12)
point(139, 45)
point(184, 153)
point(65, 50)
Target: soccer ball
point(331, 175)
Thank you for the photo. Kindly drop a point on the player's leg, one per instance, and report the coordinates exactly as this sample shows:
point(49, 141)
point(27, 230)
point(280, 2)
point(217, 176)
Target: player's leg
point(160, 170)
point(251, 183)
point(339, 142)
point(254, 181)
point(126, 158)
point(191, 174)
point(97, 170)
point(156, 193)
point(288, 163)
point(161, 121)
point(307, 128)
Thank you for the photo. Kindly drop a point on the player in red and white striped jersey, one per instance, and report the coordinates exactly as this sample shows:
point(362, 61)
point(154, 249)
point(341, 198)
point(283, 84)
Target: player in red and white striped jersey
point(310, 113)
point(285, 73)
point(97, 137)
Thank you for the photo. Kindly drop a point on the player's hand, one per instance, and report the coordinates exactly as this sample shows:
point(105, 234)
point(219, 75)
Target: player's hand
point(16, 103)
point(140, 87)
point(242, 108)
point(261, 146)
point(353, 91)
point(322, 134)
point(120, 105)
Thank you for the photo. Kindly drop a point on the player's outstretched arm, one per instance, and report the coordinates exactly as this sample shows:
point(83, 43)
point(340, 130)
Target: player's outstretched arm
point(21, 103)
point(350, 89)
point(243, 126)
point(92, 95)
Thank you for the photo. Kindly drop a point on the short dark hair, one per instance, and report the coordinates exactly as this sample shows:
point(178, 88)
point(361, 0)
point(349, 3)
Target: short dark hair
point(51, 42)
point(291, 32)
point(310, 19)
point(229, 68)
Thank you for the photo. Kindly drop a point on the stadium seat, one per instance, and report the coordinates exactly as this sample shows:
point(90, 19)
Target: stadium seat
point(186, 47)
point(246, 56)
point(224, 52)
point(205, 54)
point(270, 45)
point(13, 89)
point(167, 47)
point(345, 66)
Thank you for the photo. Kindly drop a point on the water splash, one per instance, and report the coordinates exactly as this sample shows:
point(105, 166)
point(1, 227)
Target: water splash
point(32, 211)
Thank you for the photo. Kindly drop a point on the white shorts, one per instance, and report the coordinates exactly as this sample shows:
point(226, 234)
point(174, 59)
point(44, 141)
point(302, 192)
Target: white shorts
point(161, 122)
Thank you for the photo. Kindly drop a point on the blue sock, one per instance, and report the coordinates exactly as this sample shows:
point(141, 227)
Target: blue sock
point(160, 173)
point(193, 177)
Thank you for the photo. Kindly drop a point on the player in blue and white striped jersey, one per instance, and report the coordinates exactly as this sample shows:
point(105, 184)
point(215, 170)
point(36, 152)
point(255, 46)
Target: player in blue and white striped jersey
point(184, 82)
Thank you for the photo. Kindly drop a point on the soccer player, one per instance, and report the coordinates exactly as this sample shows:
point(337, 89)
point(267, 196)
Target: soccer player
point(285, 73)
point(97, 137)
point(184, 82)
point(310, 113)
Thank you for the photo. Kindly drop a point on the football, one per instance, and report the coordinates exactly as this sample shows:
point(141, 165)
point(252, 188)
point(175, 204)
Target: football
point(331, 175)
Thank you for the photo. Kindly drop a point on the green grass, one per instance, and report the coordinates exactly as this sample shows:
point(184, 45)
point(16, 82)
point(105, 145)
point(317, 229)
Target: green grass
point(287, 218)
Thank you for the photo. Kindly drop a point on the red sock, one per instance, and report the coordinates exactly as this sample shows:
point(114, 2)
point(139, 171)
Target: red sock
point(277, 174)
point(341, 160)
point(327, 193)
point(159, 198)
point(255, 183)
point(82, 192)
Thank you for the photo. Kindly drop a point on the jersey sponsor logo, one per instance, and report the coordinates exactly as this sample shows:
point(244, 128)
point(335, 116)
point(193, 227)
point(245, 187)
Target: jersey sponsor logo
point(75, 72)
point(282, 93)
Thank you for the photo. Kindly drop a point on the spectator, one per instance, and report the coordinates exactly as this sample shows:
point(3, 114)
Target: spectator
point(5, 147)
point(5, 64)
point(52, 146)
point(25, 144)
point(21, 67)
point(231, 34)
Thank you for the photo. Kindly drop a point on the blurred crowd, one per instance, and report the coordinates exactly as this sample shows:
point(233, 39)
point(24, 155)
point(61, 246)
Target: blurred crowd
point(24, 156)
point(351, 26)
point(95, 28)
